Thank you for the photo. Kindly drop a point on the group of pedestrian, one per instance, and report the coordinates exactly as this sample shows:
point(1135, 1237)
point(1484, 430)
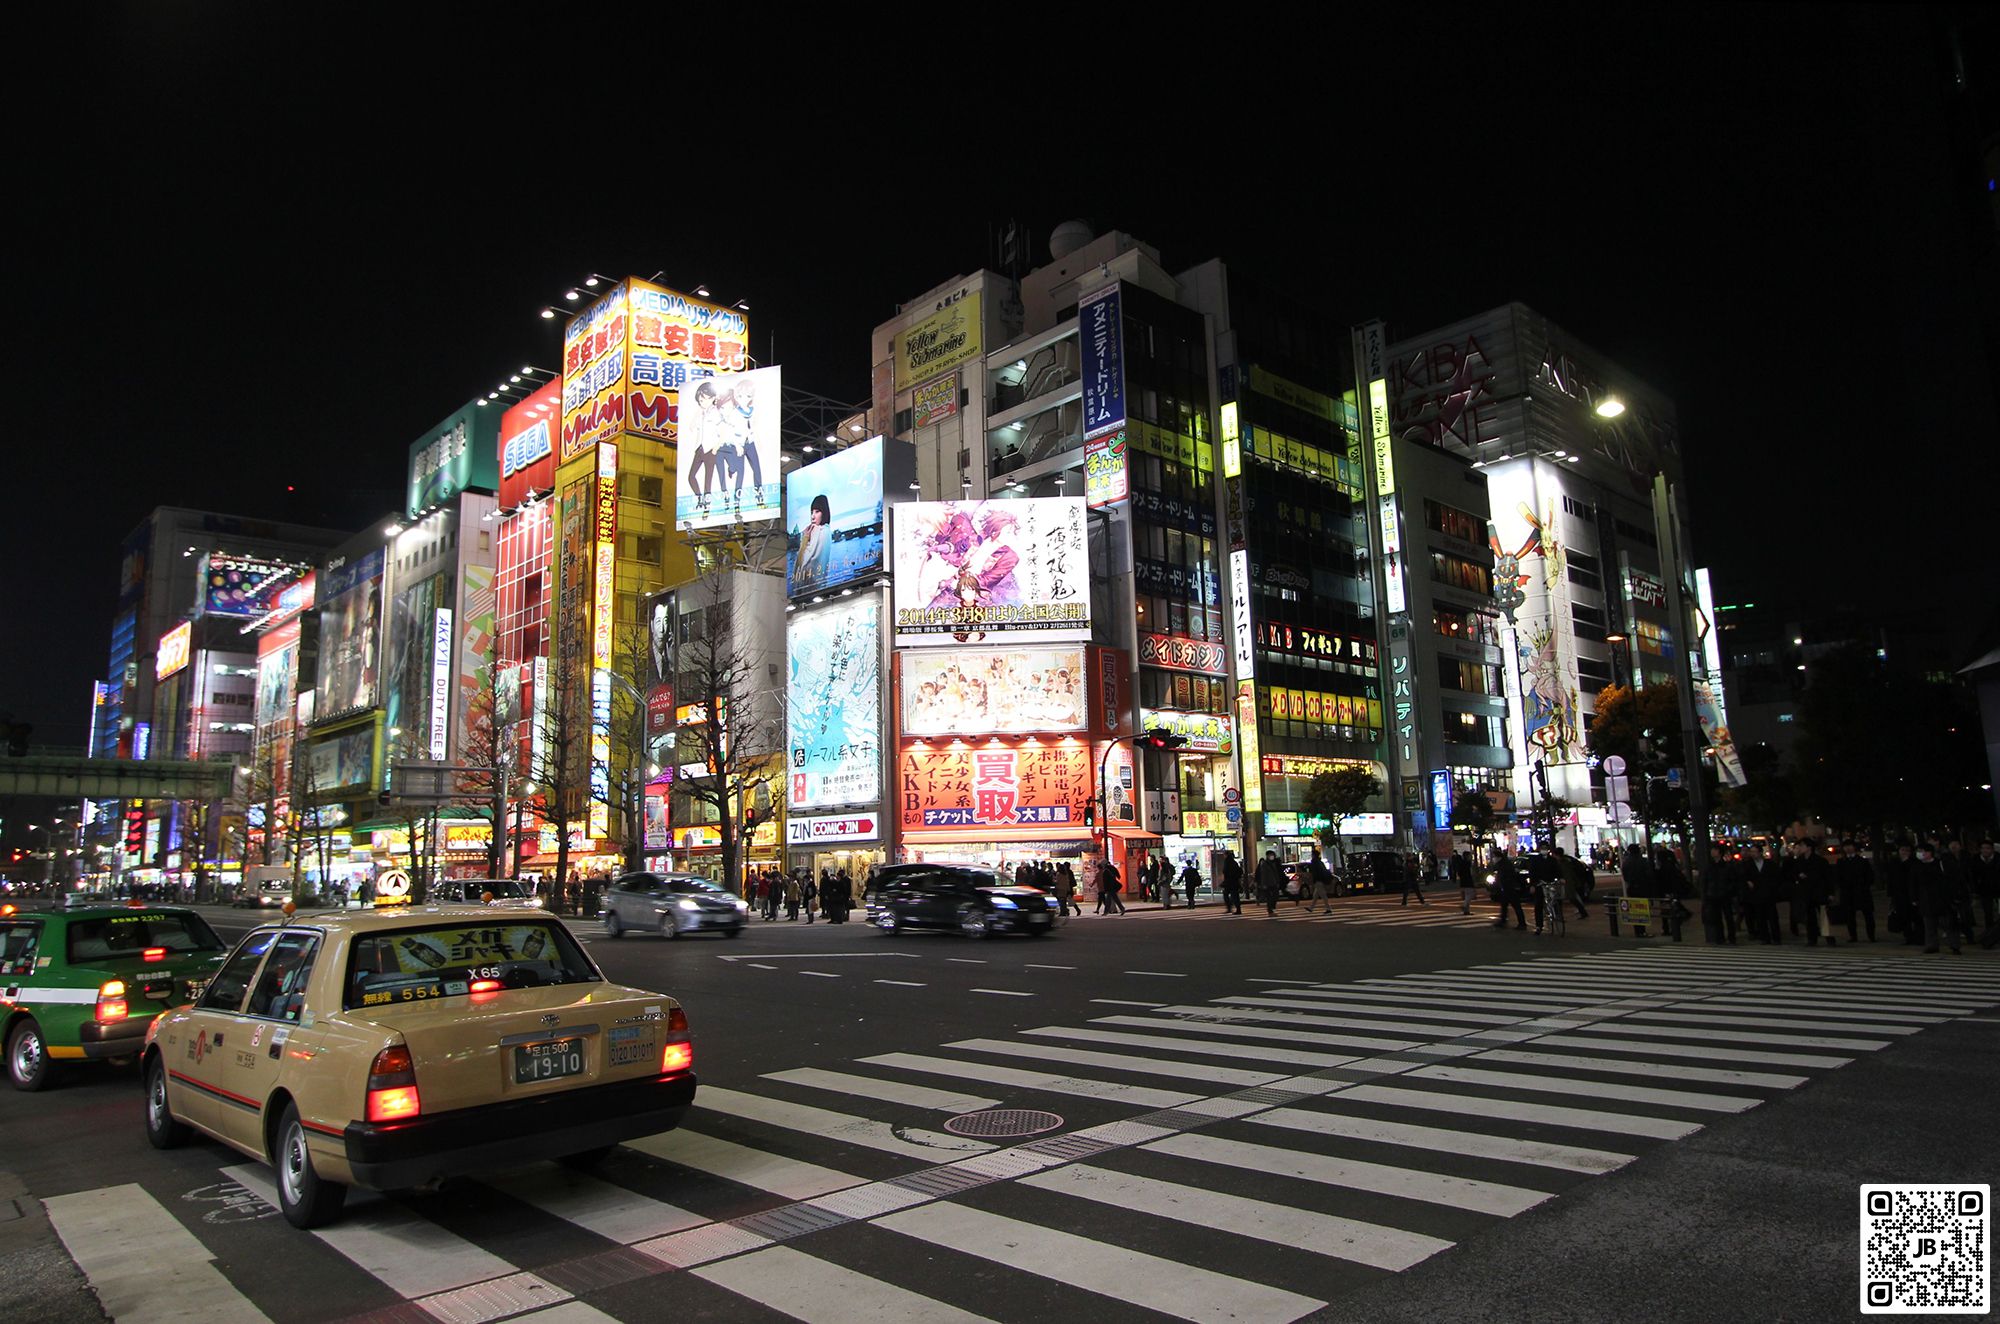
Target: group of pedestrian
point(1552, 874)
point(1058, 880)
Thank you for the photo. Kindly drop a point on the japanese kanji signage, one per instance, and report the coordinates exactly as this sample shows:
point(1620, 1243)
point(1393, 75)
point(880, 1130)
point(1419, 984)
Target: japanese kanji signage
point(970, 572)
point(626, 357)
point(1101, 342)
point(461, 452)
point(1003, 788)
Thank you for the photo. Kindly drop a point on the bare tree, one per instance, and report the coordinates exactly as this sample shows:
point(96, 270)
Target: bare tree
point(559, 758)
point(734, 726)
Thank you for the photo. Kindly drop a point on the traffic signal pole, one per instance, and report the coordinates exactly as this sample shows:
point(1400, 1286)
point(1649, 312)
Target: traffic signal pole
point(1673, 560)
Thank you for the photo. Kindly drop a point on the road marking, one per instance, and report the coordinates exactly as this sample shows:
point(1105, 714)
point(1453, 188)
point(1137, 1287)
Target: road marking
point(406, 1252)
point(1666, 1070)
point(1307, 982)
point(842, 1128)
point(1380, 1178)
point(145, 1267)
point(1841, 1011)
point(821, 956)
point(900, 983)
point(1041, 1080)
point(1324, 1234)
point(597, 1206)
point(1209, 1020)
point(1473, 1144)
point(1590, 1089)
point(819, 1292)
point(1002, 992)
point(1234, 1011)
point(1126, 1002)
point(1145, 1066)
point(819, 974)
point(1332, 1002)
point(1705, 1053)
point(1582, 1119)
point(965, 960)
point(758, 965)
point(1756, 1037)
point(791, 1179)
point(887, 1091)
point(1780, 1022)
point(1982, 1020)
point(1172, 1288)
point(1291, 1056)
point(1157, 974)
point(1033, 966)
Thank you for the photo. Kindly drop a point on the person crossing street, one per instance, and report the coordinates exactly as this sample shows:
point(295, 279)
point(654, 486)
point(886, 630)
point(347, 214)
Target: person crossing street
point(1317, 877)
point(1270, 882)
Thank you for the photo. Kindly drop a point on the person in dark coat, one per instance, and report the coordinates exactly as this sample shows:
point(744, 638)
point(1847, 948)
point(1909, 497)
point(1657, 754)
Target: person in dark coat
point(1957, 868)
point(1190, 880)
point(1935, 900)
point(1232, 884)
point(1718, 909)
point(1767, 883)
point(1903, 915)
point(1637, 871)
point(1854, 877)
point(1576, 881)
point(1810, 883)
point(1986, 879)
point(1509, 884)
point(1270, 881)
point(1461, 878)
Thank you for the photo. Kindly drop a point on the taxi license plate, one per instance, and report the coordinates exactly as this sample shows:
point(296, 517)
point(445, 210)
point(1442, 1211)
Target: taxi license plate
point(551, 1061)
point(1039, 917)
point(195, 988)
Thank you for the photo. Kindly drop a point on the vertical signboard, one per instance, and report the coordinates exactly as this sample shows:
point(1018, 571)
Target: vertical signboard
point(1531, 584)
point(833, 709)
point(1402, 700)
point(478, 651)
point(1441, 799)
point(441, 684)
point(1101, 342)
point(1243, 642)
point(603, 617)
point(662, 645)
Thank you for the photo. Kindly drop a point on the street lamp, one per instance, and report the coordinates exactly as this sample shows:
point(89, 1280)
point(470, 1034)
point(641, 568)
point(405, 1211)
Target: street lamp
point(1617, 642)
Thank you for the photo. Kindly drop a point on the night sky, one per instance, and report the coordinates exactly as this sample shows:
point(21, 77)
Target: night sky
point(260, 256)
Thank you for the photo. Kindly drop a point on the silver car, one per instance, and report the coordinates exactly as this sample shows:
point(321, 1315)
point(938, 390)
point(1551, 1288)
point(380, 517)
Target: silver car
point(671, 904)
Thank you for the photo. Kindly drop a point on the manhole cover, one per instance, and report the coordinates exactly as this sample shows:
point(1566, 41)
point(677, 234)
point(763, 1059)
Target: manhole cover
point(996, 1123)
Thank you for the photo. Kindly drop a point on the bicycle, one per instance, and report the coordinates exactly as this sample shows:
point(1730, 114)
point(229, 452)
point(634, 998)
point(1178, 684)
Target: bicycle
point(1553, 900)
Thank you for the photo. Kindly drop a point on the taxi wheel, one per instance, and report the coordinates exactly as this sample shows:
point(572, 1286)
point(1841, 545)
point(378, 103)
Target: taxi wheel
point(670, 925)
point(305, 1198)
point(161, 1128)
point(27, 1057)
point(972, 922)
point(612, 926)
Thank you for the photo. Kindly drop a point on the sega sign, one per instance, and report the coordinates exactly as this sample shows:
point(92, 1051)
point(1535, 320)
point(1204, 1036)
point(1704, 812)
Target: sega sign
point(527, 445)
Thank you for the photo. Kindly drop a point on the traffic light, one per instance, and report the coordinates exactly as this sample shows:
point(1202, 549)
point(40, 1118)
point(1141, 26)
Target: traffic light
point(1158, 737)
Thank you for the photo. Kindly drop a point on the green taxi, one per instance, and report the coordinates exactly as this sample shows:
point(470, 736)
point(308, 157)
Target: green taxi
point(79, 985)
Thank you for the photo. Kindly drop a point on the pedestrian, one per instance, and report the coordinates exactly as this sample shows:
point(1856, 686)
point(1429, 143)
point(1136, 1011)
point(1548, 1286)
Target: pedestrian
point(1716, 911)
point(1672, 885)
point(1986, 881)
point(1190, 880)
point(1809, 885)
point(1232, 884)
point(1317, 877)
point(1958, 878)
point(791, 899)
point(1576, 879)
point(1065, 887)
point(808, 892)
point(1935, 899)
point(1413, 877)
point(1637, 871)
point(1022, 875)
point(1109, 885)
point(1508, 884)
point(1270, 882)
point(1854, 877)
point(1543, 878)
point(836, 896)
point(1162, 882)
point(1461, 874)
point(1898, 879)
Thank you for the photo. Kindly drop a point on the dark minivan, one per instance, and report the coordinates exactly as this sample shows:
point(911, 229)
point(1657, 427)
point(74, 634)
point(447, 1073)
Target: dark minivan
point(957, 898)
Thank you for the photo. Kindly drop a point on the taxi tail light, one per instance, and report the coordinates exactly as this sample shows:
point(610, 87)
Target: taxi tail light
point(677, 1057)
point(111, 1001)
point(156, 953)
point(677, 1021)
point(392, 1086)
point(485, 986)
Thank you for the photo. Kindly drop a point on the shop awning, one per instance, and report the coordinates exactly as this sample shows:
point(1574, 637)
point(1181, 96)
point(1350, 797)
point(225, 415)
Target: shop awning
point(452, 815)
point(1130, 835)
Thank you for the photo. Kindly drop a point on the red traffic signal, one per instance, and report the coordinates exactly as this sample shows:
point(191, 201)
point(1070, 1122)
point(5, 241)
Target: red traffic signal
point(1158, 737)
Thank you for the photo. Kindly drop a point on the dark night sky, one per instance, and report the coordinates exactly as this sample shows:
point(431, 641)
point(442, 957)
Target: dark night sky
point(264, 256)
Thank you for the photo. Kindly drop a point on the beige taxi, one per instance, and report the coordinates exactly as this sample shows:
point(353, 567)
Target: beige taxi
point(393, 1049)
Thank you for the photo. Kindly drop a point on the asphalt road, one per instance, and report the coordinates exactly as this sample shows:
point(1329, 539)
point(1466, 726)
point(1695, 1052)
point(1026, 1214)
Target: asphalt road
point(1388, 1115)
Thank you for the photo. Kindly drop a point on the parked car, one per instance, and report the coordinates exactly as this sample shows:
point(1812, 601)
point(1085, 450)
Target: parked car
point(474, 891)
point(975, 902)
point(81, 985)
point(671, 904)
point(390, 1049)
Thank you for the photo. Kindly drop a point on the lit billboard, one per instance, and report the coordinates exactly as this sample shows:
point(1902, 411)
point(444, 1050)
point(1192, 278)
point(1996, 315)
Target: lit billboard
point(726, 467)
point(173, 651)
point(662, 643)
point(970, 572)
point(993, 787)
point(834, 522)
point(527, 445)
point(627, 357)
point(246, 587)
point(833, 719)
point(459, 453)
point(348, 624)
point(1206, 733)
point(939, 343)
point(1530, 563)
point(1005, 691)
point(344, 762)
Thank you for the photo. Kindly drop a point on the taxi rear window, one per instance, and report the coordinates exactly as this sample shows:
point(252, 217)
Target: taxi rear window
point(18, 939)
point(446, 960)
point(114, 937)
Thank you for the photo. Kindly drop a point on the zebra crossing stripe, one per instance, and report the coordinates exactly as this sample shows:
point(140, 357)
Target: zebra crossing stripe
point(1846, 1009)
point(1705, 1053)
point(1181, 1291)
point(1323, 1234)
point(145, 1267)
point(609, 1210)
point(1306, 999)
point(1141, 1095)
point(1582, 1119)
point(1664, 1070)
point(1737, 1037)
point(1471, 1144)
point(1431, 1001)
point(1235, 1024)
point(820, 1292)
point(1290, 1056)
point(842, 1128)
point(1425, 1028)
point(791, 1179)
point(1779, 1022)
point(1149, 1066)
point(1378, 1178)
point(884, 1091)
point(1590, 1089)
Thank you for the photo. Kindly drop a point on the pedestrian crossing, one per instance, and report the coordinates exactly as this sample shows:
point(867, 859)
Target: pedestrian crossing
point(1253, 1156)
point(1364, 910)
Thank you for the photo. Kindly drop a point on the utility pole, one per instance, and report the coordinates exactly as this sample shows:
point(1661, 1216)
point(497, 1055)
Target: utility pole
point(1666, 529)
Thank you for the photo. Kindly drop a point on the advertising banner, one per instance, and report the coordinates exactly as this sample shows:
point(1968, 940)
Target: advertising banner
point(172, 654)
point(1205, 657)
point(245, 587)
point(344, 762)
point(294, 599)
point(349, 619)
point(407, 701)
point(1105, 477)
point(1119, 792)
point(1014, 691)
point(477, 644)
point(991, 571)
point(934, 402)
point(1715, 730)
point(1531, 586)
point(1207, 733)
point(834, 705)
point(461, 452)
point(939, 343)
point(834, 514)
point(816, 829)
point(1001, 789)
point(627, 357)
point(1101, 338)
point(726, 470)
point(527, 445)
point(1110, 691)
point(662, 642)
